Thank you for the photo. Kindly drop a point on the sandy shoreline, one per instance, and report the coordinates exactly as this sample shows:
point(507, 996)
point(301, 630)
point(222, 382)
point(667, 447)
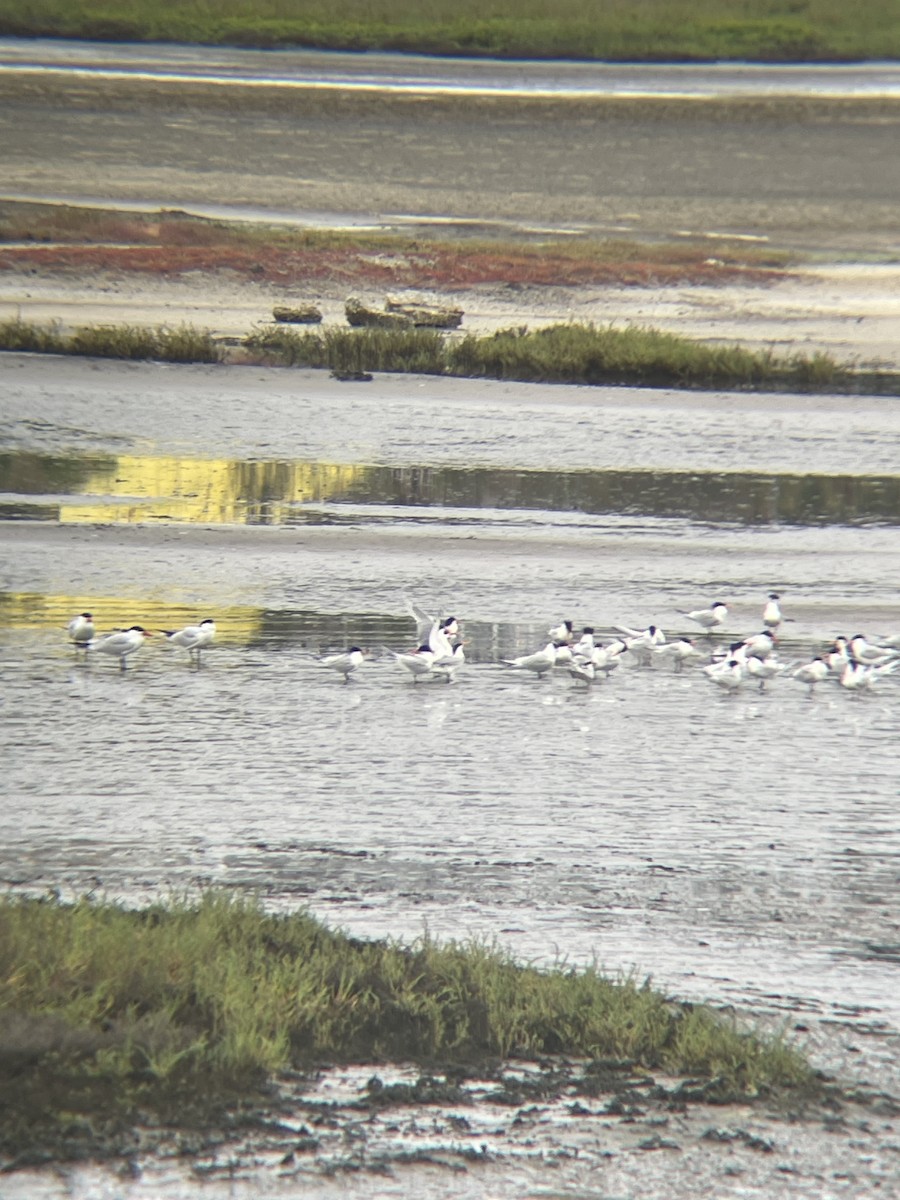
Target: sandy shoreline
point(851, 312)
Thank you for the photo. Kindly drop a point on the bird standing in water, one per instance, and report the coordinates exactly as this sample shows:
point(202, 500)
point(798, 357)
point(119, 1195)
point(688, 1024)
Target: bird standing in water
point(345, 663)
point(772, 613)
point(122, 643)
point(192, 638)
point(81, 630)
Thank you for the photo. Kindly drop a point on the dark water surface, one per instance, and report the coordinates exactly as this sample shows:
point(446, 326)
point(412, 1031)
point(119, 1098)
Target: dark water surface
point(739, 848)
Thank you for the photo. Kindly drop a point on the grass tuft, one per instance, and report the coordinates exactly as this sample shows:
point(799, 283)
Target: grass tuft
point(569, 353)
point(183, 344)
point(106, 1011)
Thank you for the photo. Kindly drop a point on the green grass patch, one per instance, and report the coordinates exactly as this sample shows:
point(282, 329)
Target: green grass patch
point(182, 344)
point(655, 30)
point(570, 353)
point(175, 1009)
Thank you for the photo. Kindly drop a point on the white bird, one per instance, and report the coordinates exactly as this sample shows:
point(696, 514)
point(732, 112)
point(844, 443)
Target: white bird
point(439, 643)
point(759, 645)
point(729, 677)
point(425, 622)
point(679, 652)
point(642, 642)
point(585, 644)
point(563, 632)
point(855, 676)
point(192, 638)
point(81, 630)
point(772, 613)
point(121, 643)
point(583, 671)
point(539, 663)
point(447, 666)
point(764, 669)
point(651, 636)
point(708, 618)
point(838, 656)
point(344, 663)
point(865, 652)
point(419, 663)
point(858, 676)
point(812, 673)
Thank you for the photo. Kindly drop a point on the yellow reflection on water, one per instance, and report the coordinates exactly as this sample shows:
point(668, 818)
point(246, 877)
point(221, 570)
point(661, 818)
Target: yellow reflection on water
point(201, 490)
point(37, 610)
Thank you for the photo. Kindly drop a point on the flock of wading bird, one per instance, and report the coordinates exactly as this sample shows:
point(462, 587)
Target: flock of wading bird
point(853, 663)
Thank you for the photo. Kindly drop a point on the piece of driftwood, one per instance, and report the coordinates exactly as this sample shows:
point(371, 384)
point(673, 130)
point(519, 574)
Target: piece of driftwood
point(361, 314)
point(352, 376)
point(297, 314)
point(425, 314)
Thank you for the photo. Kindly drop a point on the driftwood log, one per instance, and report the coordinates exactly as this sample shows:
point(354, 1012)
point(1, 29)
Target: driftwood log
point(423, 313)
point(297, 314)
point(402, 314)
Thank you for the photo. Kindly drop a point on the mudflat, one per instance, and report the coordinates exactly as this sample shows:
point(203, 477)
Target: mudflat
point(815, 176)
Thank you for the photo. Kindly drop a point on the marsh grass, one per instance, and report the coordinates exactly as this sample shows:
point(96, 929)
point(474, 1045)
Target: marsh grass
point(580, 29)
point(569, 353)
point(181, 1006)
point(182, 344)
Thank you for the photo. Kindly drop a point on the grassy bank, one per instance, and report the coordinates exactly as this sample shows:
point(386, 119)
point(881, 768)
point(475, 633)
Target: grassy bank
point(176, 1009)
point(654, 30)
point(570, 353)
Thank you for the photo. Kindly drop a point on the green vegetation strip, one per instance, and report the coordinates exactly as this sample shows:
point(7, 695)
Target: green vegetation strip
point(107, 1013)
point(653, 30)
point(570, 353)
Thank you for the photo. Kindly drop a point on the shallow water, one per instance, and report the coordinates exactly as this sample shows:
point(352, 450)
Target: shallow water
point(738, 848)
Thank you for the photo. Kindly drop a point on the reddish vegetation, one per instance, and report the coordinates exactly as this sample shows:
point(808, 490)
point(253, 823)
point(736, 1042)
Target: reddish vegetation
point(437, 266)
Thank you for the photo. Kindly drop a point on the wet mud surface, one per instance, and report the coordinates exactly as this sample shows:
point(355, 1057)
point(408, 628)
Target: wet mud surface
point(603, 166)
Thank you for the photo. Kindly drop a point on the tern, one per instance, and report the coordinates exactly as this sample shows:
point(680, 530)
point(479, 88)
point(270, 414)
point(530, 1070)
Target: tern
point(606, 658)
point(81, 630)
point(583, 671)
point(122, 643)
point(772, 613)
point(865, 652)
point(679, 652)
point(419, 663)
point(858, 676)
point(708, 618)
point(759, 645)
point(651, 636)
point(764, 669)
point(447, 666)
point(344, 663)
point(585, 643)
point(642, 642)
point(539, 663)
point(564, 632)
point(729, 677)
point(192, 638)
point(812, 673)
point(425, 622)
